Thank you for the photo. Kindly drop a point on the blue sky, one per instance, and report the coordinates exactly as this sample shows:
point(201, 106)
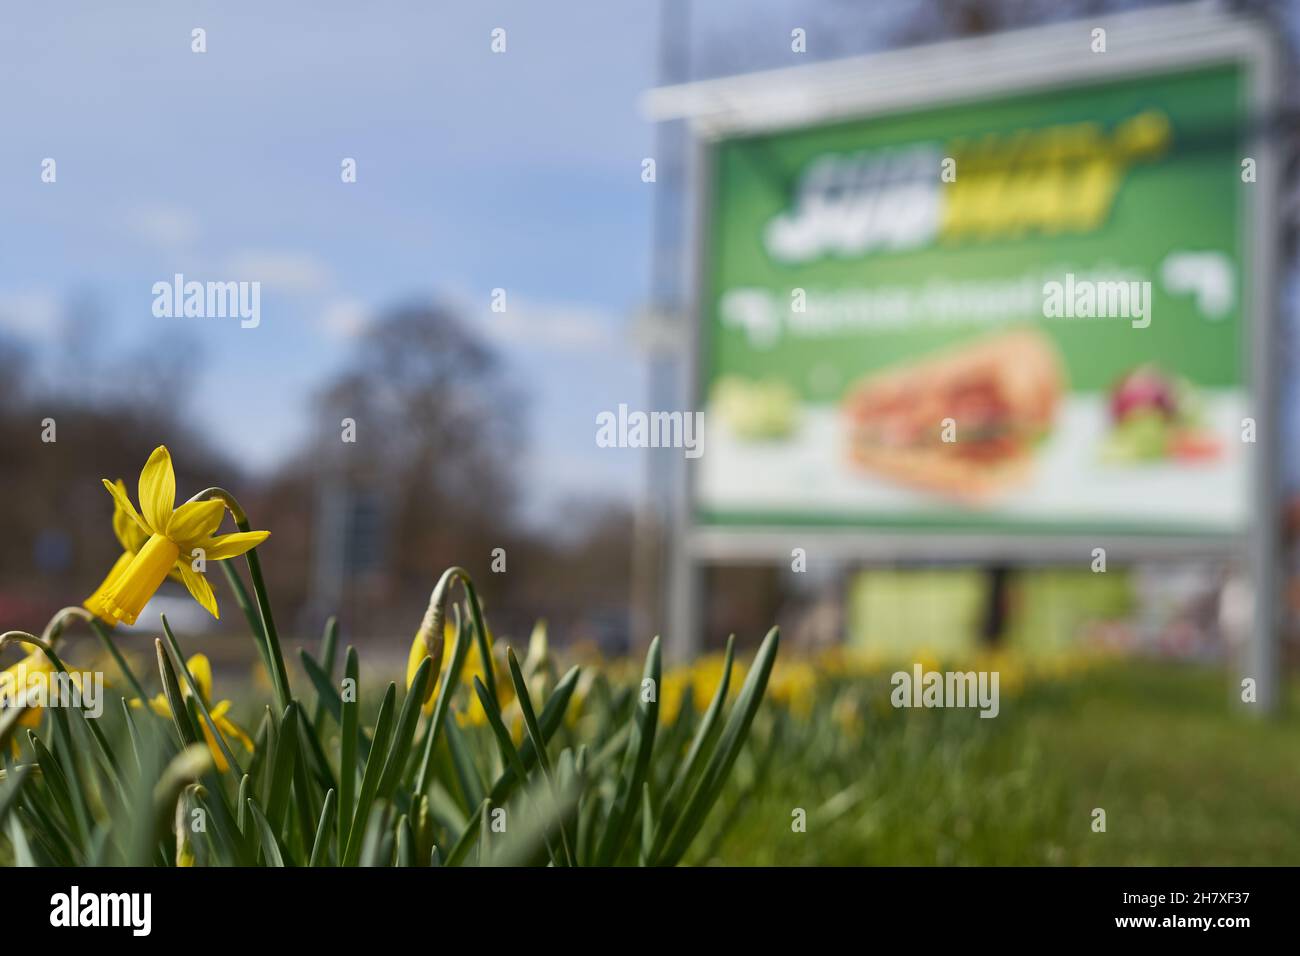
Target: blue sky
point(475, 171)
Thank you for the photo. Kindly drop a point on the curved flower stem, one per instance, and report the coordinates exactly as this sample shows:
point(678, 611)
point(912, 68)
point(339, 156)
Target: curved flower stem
point(279, 674)
point(23, 637)
point(434, 621)
point(54, 630)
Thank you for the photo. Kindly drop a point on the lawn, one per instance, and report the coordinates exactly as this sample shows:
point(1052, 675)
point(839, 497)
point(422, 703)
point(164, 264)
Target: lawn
point(1183, 776)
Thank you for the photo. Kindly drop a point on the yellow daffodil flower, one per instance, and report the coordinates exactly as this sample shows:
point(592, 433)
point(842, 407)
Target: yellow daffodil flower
point(472, 714)
point(201, 670)
point(171, 537)
point(131, 537)
point(420, 649)
point(15, 679)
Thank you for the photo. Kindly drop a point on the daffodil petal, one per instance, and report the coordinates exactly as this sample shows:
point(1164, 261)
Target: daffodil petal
point(229, 728)
point(123, 503)
point(126, 524)
point(158, 489)
point(201, 670)
point(198, 587)
point(193, 522)
point(157, 704)
point(225, 546)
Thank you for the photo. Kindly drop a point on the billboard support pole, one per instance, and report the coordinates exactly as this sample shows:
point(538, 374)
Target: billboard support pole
point(1263, 658)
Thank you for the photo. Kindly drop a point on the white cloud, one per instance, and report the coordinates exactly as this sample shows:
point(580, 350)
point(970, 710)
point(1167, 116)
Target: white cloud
point(34, 314)
point(285, 271)
point(549, 325)
point(346, 318)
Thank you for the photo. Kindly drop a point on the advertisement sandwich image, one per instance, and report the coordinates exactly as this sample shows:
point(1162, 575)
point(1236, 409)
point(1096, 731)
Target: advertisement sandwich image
point(1022, 314)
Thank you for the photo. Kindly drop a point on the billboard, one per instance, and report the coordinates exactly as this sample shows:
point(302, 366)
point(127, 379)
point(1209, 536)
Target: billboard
point(1021, 314)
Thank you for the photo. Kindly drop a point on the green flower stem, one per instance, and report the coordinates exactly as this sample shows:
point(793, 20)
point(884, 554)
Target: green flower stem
point(110, 645)
point(279, 673)
point(452, 678)
point(59, 622)
point(246, 606)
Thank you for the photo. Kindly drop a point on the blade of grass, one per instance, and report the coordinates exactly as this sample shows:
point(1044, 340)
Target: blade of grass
point(484, 836)
point(395, 762)
point(286, 752)
point(56, 782)
point(23, 855)
point(724, 757)
point(348, 752)
point(539, 744)
point(77, 786)
point(271, 851)
point(377, 844)
point(133, 730)
point(647, 824)
point(370, 779)
point(320, 848)
point(327, 698)
point(51, 835)
point(244, 819)
point(701, 747)
point(185, 730)
point(9, 725)
point(405, 842)
point(178, 663)
point(328, 653)
point(636, 763)
point(13, 786)
point(551, 718)
point(467, 775)
point(183, 769)
point(320, 763)
point(508, 751)
point(305, 796)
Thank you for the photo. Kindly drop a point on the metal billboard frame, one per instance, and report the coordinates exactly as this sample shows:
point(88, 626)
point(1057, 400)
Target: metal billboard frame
point(1148, 42)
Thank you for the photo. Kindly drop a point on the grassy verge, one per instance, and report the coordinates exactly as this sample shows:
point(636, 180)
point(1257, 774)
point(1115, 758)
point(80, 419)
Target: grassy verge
point(1183, 776)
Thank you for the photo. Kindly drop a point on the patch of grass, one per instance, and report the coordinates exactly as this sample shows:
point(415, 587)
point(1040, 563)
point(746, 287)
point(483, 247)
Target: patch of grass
point(1185, 777)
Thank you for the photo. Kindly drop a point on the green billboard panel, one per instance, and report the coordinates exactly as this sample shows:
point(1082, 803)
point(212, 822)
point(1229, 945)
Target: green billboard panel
point(1023, 314)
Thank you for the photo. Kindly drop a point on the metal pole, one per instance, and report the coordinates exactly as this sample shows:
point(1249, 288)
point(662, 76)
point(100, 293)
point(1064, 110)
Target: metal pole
point(653, 547)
